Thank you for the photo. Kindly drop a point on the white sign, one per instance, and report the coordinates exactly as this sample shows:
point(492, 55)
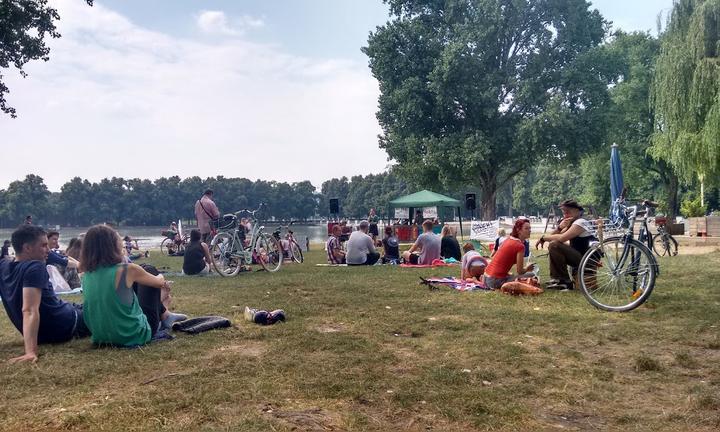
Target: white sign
point(402, 213)
point(484, 230)
point(430, 212)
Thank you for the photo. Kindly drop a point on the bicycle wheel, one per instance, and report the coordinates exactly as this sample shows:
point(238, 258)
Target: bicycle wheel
point(167, 247)
point(268, 252)
point(224, 260)
point(665, 245)
point(296, 252)
point(618, 274)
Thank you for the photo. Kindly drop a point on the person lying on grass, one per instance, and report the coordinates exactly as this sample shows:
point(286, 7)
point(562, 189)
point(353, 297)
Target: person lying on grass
point(512, 251)
point(473, 264)
point(29, 299)
point(123, 303)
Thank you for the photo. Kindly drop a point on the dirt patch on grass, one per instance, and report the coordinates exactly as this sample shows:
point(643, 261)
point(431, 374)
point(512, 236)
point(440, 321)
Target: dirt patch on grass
point(330, 328)
point(309, 419)
point(249, 349)
point(697, 250)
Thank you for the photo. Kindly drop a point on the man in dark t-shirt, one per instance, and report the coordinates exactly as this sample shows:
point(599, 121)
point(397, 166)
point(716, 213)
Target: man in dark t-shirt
point(29, 300)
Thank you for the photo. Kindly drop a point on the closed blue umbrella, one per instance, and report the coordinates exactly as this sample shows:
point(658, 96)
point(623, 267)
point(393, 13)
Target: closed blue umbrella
point(616, 174)
point(616, 182)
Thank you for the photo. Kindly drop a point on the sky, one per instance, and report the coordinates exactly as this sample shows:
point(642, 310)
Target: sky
point(262, 89)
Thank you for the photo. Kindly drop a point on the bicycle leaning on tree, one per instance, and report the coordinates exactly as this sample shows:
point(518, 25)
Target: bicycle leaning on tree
point(618, 273)
point(233, 247)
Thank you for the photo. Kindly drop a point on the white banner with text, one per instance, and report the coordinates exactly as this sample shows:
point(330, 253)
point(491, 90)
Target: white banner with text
point(484, 230)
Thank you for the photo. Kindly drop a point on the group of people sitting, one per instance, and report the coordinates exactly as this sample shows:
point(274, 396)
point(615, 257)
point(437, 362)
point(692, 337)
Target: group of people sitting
point(360, 249)
point(567, 244)
point(124, 304)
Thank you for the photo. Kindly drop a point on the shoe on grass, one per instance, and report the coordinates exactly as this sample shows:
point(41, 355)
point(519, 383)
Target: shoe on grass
point(560, 285)
point(250, 314)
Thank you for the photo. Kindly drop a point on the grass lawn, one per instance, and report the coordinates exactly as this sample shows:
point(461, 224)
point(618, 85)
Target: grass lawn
point(371, 349)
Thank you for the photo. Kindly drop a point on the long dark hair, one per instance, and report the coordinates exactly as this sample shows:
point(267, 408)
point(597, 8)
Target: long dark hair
point(100, 248)
point(74, 247)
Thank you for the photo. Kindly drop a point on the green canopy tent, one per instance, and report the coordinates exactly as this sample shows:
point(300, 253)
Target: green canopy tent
point(426, 198)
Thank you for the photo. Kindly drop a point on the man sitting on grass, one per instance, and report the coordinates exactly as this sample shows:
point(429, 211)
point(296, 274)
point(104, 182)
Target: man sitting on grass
point(361, 247)
point(29, 300)
point(335, 253)
point(426, 248)
point(67, 265)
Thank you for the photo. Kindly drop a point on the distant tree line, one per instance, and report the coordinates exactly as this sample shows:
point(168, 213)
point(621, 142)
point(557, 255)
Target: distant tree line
point(136, 202)
point(144, 202)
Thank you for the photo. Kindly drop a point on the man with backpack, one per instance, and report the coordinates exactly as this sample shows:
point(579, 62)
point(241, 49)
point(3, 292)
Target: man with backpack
point(206, 211)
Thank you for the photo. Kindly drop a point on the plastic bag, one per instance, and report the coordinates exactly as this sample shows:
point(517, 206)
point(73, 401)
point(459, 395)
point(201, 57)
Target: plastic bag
point(58, 282)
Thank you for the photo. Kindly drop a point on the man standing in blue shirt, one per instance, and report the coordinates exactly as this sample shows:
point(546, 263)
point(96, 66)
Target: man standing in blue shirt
point(29, 300)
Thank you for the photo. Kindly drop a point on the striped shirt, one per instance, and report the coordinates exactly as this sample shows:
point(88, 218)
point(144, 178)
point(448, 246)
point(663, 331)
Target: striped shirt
point(333, 244)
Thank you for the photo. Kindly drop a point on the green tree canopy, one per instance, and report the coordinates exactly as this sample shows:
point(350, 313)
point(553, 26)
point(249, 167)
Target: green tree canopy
point(475, 91)
point(685, 91)
point(24, 24)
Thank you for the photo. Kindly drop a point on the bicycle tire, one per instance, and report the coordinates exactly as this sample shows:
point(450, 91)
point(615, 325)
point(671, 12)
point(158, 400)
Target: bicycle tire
point(165, 246)
point(224, 261)
point(268, 252)
point(296, 252)
point(627, 277)
point(664, 244)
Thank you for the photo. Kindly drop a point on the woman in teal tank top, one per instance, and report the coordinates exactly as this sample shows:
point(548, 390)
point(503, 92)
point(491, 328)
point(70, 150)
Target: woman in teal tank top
point(111, 308)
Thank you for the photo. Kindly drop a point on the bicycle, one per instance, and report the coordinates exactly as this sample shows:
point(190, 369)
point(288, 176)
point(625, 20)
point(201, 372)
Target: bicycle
point(663, 243)
point(292, 250)
point(173, 244)
point(618, 273)
point(231, 250)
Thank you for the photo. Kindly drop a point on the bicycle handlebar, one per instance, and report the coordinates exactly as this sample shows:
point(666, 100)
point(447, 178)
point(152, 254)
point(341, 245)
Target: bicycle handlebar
point(251, 212)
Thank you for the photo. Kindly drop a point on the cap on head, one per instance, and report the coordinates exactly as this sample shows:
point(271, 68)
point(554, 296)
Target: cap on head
point(571, 204)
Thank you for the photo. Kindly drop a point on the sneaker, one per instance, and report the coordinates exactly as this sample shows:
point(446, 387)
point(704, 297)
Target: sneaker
point(250, 314)
point(162, 335)
point(560, 285)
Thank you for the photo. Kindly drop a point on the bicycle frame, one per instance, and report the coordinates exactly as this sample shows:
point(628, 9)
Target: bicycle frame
point(630, 213)
point(245, 253)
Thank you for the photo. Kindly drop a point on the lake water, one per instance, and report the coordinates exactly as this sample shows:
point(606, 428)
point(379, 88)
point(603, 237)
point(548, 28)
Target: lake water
point(150, 238)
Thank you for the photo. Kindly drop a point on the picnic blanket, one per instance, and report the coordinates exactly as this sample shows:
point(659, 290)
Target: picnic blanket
point(438, 264)
point(454, 283)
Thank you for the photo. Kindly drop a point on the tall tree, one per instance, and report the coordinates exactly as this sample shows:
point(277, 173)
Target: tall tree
point(24, 24)
point(474, 91)
point(686, 91)
point(26, 197)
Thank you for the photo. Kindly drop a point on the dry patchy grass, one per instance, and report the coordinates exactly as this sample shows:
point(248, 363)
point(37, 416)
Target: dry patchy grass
point(371, 349)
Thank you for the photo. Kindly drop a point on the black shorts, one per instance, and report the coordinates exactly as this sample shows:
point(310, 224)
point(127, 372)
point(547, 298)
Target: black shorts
point(414, 258)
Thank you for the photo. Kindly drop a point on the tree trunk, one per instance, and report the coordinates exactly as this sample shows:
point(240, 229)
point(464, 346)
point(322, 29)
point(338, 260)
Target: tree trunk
point(671, 188)
point(489, 195)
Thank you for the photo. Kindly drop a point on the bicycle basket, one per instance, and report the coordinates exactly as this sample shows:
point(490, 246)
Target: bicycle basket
point(227, 222)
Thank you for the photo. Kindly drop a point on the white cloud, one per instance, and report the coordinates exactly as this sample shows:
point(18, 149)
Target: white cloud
point(116, 99)
point(216, 22)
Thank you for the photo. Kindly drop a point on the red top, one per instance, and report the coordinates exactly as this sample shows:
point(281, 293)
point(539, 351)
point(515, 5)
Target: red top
point(505, 258)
